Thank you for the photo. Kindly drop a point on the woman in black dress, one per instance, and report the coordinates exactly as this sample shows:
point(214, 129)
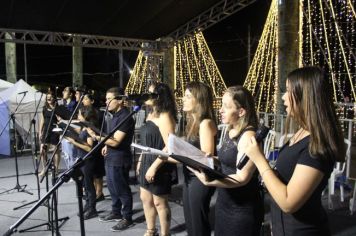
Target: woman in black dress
point(48, 138)
point(87, 114)
point(155, 174)
point(99, 171)
point(306, 160)
point(201, 132)
point(239, 207)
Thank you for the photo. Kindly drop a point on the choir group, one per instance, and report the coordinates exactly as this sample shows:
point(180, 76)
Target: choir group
point(295, 183)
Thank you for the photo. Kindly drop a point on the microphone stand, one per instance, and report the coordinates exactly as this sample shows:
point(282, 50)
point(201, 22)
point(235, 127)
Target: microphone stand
point(34, 154)
point(49, 222)
point(65, 176)
point(18, 187)
point(50, 165)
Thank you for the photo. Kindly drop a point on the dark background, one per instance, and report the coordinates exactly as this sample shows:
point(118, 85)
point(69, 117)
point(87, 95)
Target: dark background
point(52, 65)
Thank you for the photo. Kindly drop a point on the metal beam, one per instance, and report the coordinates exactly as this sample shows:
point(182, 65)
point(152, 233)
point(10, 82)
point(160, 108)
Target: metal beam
point(81, 40)
point(210, 17)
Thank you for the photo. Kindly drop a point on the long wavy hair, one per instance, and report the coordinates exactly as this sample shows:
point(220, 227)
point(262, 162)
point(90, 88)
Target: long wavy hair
point(312, 108)
point(203, 108)
point(50, 92)
point(165, 101)
point(242, 98)
point(90, 114)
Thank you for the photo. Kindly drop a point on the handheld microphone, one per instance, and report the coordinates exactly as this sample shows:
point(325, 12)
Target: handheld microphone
point(261, 134)
point(24, 92)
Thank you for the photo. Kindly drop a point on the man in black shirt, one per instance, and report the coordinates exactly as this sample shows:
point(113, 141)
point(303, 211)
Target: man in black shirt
point(118, 160)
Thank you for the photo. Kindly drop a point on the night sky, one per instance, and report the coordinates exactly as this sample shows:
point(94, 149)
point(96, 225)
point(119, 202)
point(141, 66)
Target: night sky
point(52, 65)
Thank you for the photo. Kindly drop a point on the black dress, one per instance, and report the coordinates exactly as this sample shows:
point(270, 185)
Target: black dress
point(311, 218)
point(238, 211)
point(196, 202)
point(51, 138)
point(151, 137)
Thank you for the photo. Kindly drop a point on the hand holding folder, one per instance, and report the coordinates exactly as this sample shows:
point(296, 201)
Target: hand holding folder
point(197, 160)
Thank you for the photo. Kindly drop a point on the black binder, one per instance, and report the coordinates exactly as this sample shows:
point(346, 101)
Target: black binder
point(211, 173)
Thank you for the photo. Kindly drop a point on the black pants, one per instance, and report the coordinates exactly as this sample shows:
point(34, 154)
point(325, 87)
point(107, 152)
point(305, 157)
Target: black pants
point(196, 206)
point(89, 170)
point(117, 178)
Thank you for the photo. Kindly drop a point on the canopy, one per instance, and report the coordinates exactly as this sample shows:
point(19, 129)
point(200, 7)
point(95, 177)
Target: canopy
point(9, 99)
point(4, 85)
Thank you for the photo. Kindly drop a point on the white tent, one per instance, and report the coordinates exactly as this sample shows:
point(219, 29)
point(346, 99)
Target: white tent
point(9, 99)
point(5, 85)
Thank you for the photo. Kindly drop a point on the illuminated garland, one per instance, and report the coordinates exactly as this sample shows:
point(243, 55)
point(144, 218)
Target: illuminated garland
point(327, 39)
point(262, 77)
point(193, 61)
point(329, 42)
point(147, 67)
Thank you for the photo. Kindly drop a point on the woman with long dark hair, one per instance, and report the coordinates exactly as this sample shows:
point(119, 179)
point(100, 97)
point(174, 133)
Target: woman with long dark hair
point(48, 138)
point(306, 160)
point(87, 114)
point(201, 132)
point(155, 174)
point(99, 171)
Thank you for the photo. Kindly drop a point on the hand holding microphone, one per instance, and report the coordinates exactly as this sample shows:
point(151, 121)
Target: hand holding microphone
point(253, 147)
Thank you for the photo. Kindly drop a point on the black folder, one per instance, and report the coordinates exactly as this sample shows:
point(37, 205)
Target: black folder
point(71, 133)
point(92, 127)
point(211, 173)
point(62, 112)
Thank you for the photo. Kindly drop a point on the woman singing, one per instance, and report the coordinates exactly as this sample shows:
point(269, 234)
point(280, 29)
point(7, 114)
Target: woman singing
point(48, 138)
point(306, 160)
point(239, 207)
point(201, 132)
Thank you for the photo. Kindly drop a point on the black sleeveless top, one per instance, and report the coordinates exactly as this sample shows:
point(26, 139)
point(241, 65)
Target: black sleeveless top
point(228, 158)
point(51, 138)
point(238, 211)
point(151, 137)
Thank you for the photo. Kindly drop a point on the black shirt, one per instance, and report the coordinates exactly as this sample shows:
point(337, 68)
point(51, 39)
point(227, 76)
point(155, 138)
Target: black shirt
point(311, 218)
point(121, 155)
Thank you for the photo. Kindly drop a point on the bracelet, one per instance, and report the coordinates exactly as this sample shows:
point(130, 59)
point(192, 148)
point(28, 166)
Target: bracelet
point(263, 172)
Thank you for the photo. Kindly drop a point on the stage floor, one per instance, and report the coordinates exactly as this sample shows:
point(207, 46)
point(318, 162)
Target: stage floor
point(341, 222)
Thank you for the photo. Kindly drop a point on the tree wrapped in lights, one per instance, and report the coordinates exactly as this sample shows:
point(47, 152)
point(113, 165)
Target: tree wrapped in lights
point(328, 29)
point(147, 67)
point(262, 77)
point(329, 42)
point(193, 61)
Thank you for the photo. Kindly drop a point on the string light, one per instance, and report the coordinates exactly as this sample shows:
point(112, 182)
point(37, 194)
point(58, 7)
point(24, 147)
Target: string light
point(262, 77)
point(193, 61)
point(329, 42)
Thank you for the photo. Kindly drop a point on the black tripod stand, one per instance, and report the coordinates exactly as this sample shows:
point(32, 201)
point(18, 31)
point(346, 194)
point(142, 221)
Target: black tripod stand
point(34, 153)
point(18, 187)
point(64, 177)
point(53, 223)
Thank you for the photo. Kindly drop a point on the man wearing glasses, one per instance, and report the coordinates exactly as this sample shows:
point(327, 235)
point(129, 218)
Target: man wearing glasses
point(118, 160)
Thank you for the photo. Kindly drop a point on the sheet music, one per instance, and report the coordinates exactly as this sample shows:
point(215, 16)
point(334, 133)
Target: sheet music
point(150, 150)
point(181, 147)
